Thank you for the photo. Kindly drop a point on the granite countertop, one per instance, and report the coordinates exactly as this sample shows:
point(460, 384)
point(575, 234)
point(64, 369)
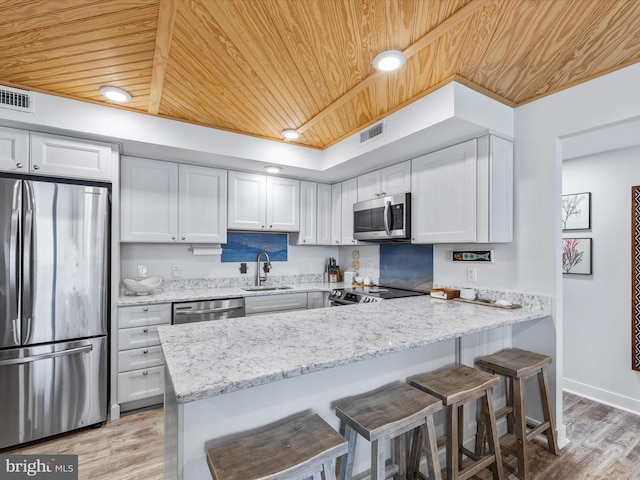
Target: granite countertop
point(212, 358)
point(199, 292)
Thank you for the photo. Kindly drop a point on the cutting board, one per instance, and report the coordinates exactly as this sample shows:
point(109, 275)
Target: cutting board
point(488, 303)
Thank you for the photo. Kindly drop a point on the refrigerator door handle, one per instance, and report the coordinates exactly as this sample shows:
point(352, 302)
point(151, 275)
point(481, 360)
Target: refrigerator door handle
point(27, 299)
point(14, 280)
point(44, 356)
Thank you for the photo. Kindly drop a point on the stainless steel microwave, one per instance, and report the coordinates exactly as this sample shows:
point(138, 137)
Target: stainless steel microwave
point(383, 219)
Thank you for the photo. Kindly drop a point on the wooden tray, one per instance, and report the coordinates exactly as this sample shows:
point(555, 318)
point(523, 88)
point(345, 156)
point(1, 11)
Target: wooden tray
point(488, 303)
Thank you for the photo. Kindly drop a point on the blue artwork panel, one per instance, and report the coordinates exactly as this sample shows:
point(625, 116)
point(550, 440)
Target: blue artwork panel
point(406, 265)
point(245, 246)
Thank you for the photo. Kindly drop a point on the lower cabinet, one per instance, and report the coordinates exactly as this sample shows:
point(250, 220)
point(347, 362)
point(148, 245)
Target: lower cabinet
point(261, 304)
point(140, 359)
point(317, 300)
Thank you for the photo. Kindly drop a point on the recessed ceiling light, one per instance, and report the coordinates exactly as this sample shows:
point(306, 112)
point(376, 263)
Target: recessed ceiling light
point(273, 169)
point(291, 134)
point(388, 60)
point(115, 94)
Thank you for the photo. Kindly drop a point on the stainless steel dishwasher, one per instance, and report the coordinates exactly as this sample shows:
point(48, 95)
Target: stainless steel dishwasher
point(205, 310)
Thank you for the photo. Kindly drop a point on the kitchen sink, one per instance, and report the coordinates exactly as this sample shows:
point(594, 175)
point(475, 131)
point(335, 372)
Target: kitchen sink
point(266, 288)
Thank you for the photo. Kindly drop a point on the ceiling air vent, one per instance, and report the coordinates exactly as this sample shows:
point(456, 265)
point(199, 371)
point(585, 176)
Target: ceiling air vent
point(371, 133)
point(15, 99)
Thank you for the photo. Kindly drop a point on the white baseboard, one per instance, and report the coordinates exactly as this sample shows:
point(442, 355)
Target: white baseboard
point(599, 395)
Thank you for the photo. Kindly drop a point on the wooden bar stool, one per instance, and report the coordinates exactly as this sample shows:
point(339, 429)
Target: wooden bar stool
point(292, 451)
point(517, 365)
point(388, 414)
point(456, 386)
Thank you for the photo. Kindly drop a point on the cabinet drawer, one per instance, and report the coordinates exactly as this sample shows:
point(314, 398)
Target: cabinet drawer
point(140, 384)
point(140, 358)
point(274, 303)
point(143, 315)
point(139, 337)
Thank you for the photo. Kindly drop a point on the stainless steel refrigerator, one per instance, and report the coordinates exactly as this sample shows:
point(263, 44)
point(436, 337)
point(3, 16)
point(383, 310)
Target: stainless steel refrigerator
point(54, 304)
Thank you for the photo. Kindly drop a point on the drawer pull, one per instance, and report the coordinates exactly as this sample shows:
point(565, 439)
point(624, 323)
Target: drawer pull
point(145, 373)
point(145, 352)
point(146, 330)
point(145, 309)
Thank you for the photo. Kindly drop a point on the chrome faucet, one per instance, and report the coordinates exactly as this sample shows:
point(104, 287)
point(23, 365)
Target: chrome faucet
point(267, 267)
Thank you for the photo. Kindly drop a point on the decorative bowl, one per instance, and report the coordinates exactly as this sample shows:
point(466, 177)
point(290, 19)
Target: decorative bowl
point(142, 287)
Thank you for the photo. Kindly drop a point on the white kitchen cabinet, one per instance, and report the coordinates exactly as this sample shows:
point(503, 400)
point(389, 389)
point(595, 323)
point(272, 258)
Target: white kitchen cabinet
point(259, 202)
point(348, 196)
point(323, 231)
point(317, 300)
point(70, 157)
point(386, 181)
point(315, 214)
point(308, 213)
point(261, 304)
point(464, 193)
point(35, 153)
point(336, 214)
point(14, 150)
point(202, 204)
point(166, 202)
point(140, 361)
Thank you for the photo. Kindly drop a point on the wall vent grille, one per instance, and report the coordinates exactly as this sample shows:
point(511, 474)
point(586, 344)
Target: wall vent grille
point(15, 99)
point(372, 133)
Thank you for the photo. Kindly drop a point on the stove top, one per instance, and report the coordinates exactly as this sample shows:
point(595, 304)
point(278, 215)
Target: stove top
point(348, 296)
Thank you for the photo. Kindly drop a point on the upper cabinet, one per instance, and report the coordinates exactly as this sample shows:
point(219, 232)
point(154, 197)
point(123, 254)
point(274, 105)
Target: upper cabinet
point(259, 202)
point(165, 202)
point(464, 193)
point(42, 154)
point(386, 181)
point(315, 214)
point(336, 214)
point(348, 196)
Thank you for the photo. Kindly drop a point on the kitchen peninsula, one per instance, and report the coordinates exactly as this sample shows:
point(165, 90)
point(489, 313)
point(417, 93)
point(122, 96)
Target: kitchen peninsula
point(235, 375)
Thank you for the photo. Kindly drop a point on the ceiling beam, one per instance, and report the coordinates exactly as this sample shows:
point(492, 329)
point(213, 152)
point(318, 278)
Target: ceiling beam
point(432, 35)
point(166, 20)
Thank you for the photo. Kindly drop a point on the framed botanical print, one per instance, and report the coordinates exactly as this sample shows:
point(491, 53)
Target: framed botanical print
point(576, 211)
point(576, 256)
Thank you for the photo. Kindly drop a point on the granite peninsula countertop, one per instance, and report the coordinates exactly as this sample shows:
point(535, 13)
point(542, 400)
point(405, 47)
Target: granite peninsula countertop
point(212, 358)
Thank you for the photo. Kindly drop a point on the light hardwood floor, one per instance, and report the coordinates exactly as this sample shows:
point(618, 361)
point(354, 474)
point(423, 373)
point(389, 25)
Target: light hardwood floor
point(605, 445)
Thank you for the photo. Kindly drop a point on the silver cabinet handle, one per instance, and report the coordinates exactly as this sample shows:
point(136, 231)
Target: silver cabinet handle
point(145, 309)
point(184, 238)
point(173, 237)
point(19, 165)
point(44, 356)
point(145, 351)
point(36, 167)
point(146, 330)
point(145, 373)
point(383, 194)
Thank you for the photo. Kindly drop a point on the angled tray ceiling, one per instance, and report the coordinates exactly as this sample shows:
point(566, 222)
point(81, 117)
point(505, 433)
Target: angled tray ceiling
point(260, 66)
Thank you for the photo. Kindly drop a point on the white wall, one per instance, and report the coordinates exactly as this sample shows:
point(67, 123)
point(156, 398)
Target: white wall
point(597, 308)
point(532, 262)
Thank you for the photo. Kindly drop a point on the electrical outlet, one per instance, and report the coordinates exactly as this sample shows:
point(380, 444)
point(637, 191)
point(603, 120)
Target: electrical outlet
point(142, 271)
point(176, 271)
point(472, 274)
point(312, 265)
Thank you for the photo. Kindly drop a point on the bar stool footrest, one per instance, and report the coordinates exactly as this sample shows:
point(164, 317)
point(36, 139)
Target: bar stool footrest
point(536, 429)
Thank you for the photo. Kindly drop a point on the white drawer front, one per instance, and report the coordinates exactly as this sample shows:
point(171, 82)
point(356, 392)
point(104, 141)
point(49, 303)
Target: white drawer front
point(140, 358)
point(142, 315)
point(140, 384)
point(139, 337)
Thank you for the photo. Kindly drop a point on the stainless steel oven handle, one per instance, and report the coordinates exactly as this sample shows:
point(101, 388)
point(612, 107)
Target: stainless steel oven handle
point(387, 209)
point(44, 356)
point(208, 310)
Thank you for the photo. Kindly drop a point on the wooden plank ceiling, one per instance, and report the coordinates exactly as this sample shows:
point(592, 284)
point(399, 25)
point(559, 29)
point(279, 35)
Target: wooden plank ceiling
point(260, 66)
